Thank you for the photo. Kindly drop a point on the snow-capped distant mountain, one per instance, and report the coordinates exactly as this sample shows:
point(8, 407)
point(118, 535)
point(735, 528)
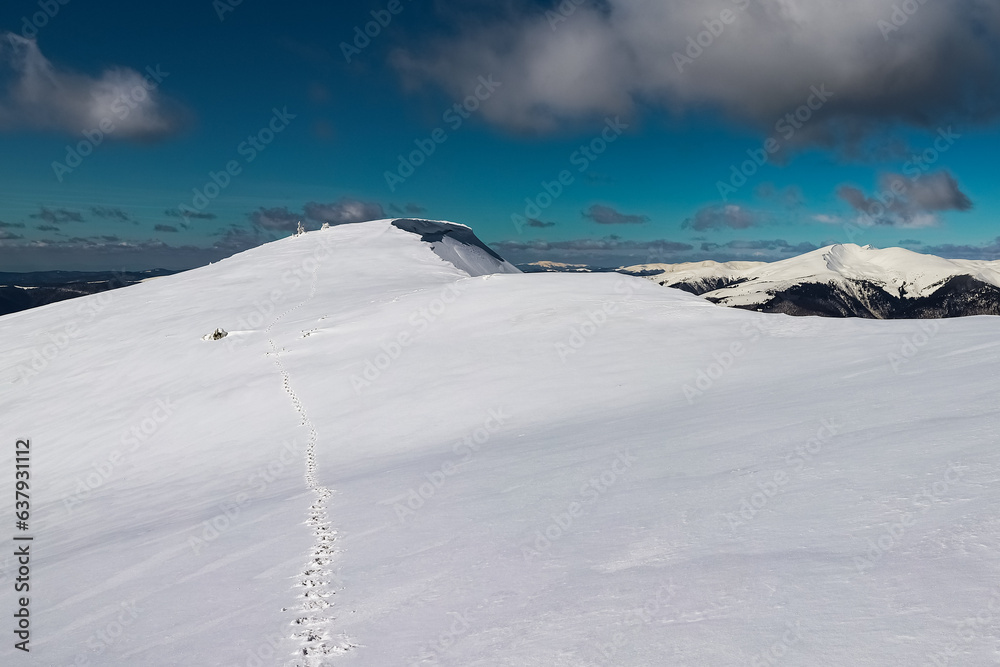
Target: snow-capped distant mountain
point(393, 458)
point(843, 281)
point(555, 267)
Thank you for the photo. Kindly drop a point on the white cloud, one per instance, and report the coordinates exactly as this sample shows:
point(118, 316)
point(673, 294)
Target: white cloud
point(41, 96)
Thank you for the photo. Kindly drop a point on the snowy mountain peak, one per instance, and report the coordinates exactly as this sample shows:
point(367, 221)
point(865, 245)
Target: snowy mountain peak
point(456, 244)
point(843, 280)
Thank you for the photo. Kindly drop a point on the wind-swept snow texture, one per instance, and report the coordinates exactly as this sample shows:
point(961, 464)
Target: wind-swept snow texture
point(389, 461)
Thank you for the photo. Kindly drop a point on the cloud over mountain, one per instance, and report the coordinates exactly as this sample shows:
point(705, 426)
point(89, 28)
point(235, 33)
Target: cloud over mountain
point(753, 61)
point(908, 202)
point(343, 211)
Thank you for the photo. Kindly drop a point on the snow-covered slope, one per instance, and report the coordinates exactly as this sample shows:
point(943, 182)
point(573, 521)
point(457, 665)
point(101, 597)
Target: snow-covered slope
point(391, 462)
point(695, 277)
point(843, 280)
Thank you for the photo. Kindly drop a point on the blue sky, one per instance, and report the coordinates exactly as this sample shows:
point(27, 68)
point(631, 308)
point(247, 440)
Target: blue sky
point(642, 109)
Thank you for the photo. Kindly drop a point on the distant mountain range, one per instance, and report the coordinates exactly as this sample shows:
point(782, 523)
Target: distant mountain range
point(836, 281)
point(21, 291)
point(842, 281)
point(558, 267)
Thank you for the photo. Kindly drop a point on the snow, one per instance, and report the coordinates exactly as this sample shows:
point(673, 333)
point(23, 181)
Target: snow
point(900, 272)
point(717, 486)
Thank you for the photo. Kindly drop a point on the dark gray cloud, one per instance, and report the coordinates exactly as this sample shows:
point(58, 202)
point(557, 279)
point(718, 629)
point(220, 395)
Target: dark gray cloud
point(605, 215)
point(613, 56)
point(750, 247)
point(237, 239)
point(89, 255)
point(109, 252)
point(48, 228)
point(276, 219)
point(192, 215)
point(57, 215)
point(165, 228)
point(728, 216)
point(9, 236)
point(408, 209)
point(38, 95)
point(112, 213)
point(611, 251)
point(988, 251)
point(908, 202)
point(533, 222)
point(344, 211)
point(608, 243)
point(11, 225)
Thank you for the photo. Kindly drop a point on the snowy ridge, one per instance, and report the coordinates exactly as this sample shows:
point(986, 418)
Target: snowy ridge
point(863, 276)
point(543, 470)
point(458, 245)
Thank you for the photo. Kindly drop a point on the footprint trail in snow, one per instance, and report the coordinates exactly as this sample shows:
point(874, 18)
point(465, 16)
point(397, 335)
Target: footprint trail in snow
point(311, 626)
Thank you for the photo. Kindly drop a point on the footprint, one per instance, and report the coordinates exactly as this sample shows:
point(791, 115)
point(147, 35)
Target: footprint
point(315, 579)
